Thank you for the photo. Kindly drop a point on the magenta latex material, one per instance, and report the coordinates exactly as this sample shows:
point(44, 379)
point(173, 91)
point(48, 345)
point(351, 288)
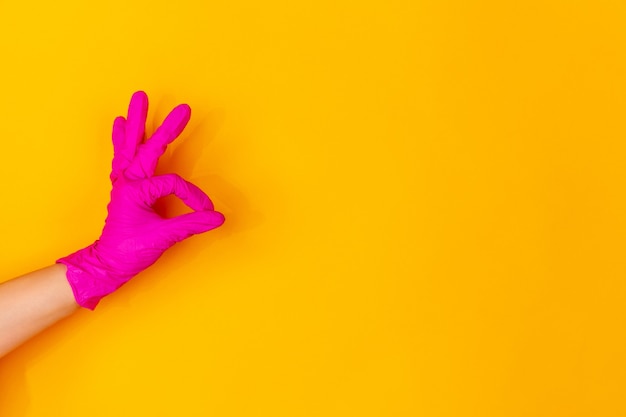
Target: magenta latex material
point(134, 235)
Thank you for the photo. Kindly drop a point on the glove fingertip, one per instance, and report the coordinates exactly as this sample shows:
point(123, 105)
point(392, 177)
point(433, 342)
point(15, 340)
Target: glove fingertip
point(185, 108)
point(207, 220)
point(138, 104)
point(139, 95)
point(217, 219)
point(195, 223)
point(180, 115)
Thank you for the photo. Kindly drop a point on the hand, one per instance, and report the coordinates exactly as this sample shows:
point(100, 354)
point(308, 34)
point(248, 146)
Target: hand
point(134, 235)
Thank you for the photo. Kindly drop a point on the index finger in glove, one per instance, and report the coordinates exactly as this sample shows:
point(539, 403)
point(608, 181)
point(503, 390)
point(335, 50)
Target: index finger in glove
point(163, 185)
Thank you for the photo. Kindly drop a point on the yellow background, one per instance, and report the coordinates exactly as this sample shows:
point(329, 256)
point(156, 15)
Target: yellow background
point(425, 201)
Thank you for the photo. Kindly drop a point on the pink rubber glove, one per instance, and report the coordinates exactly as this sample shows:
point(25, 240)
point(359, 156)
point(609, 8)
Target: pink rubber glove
point(134, 235)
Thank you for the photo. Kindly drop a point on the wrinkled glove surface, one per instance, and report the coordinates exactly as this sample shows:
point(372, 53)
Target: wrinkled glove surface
point(134, 235)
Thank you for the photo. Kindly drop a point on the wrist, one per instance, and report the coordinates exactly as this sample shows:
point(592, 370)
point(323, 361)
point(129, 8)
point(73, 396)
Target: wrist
point(89, 277)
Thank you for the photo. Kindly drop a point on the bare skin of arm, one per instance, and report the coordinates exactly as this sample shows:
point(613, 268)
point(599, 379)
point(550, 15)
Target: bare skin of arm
point(33, 302)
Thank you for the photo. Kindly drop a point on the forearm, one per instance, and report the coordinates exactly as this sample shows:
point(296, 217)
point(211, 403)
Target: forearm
point(33, 302)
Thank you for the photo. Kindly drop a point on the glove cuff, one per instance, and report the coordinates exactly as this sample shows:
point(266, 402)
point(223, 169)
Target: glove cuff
point(89, 279)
